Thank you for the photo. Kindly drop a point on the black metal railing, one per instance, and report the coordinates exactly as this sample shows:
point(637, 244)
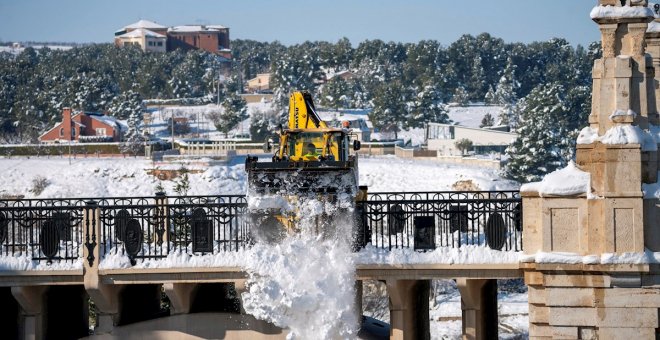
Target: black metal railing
point(428, 220)
point(48, 229)
point(154, 227)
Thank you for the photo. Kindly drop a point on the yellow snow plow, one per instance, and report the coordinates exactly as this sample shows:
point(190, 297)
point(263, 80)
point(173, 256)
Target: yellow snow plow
point(313, 163)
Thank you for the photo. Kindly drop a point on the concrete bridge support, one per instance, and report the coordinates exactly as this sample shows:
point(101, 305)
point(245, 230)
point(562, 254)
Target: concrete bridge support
point(50, 312)
point(479, 308)
point(32, 302)
point(409, 309)
point(181, 296)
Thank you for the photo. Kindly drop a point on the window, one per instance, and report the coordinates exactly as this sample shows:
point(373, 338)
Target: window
point(61, 132)
point(160, 43)
point(100, 131)
point(150, 43)
point(73, 132)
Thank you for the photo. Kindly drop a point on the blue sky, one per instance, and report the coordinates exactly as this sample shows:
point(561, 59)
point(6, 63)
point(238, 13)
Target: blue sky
point(292, 22)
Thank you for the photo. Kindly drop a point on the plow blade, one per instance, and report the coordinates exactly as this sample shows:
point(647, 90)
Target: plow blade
point(300, 178)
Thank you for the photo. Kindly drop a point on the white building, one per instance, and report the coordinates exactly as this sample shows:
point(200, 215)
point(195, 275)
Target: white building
point(442, 137)
point(150, 36)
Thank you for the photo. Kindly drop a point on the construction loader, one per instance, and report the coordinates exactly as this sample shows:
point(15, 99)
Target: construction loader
point(313, 161)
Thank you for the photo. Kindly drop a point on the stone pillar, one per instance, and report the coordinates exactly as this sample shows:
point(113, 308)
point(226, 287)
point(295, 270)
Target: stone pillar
point(358, 300)
point(602, 292)
point(653, 48)
point(409, 309)
point(479, 308)
point(105, 297)
point(180, 295)
point(32, 302)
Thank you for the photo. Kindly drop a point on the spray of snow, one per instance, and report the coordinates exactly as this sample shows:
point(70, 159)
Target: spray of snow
point(563, 182)
point(306, 281)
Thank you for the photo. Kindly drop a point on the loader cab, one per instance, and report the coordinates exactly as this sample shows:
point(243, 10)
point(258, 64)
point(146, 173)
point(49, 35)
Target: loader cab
point(316, 145)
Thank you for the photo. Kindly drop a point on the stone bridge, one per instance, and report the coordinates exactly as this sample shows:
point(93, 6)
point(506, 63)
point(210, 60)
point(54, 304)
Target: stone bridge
point(60, 254)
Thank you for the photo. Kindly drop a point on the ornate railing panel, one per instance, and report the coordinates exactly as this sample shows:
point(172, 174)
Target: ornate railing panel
point(428, 220)
point(151, 228)
point(42, 230)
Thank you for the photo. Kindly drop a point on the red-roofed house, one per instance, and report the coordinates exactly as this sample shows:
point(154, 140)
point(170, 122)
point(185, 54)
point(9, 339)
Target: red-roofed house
point(84, 127)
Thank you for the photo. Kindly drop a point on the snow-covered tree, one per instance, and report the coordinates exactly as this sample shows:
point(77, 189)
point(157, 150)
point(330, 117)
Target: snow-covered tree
point(133, 139)
point(463, 145)
point(505, 95)
point(335, 94)
point(427, 107)
point(125, 105)
point(487, 121)
point(544, 135)
point(234, 111)
point(390, 107)
point(461, 97)
point(263, 123)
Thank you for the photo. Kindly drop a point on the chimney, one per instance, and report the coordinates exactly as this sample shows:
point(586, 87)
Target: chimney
point(66, 123)
point(66, 114)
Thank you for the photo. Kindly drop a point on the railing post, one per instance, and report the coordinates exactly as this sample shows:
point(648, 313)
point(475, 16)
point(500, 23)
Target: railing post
point(162, 220)
point(104, 296)
point(361, 235)
point(92, 229)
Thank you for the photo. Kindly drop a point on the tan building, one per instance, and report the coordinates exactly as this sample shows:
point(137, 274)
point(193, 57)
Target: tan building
point(154, 37)
point(259, 83)
point(148, 41)
point(443, 137)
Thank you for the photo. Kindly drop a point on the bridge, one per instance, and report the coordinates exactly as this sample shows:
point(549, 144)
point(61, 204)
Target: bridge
point(63, 260)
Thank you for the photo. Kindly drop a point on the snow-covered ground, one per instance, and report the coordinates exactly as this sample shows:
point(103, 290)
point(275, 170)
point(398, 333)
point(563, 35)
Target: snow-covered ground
point(107, 177)
point(471, 116)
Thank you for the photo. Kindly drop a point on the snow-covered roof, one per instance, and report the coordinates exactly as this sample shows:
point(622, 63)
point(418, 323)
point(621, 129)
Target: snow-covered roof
point(195, 28)
point(144, 24)
point(108, 120)
point(141, 32)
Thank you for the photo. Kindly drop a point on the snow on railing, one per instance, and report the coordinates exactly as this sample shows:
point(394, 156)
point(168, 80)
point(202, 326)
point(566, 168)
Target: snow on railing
point(153, 228)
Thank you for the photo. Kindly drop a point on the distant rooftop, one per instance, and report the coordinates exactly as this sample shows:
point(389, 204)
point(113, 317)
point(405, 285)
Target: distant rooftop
point(196, 28)
point(145, 24)
point(141, 32)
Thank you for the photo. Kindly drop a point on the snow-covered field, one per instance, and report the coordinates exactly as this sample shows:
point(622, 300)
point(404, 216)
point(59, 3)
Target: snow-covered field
point(108, 177)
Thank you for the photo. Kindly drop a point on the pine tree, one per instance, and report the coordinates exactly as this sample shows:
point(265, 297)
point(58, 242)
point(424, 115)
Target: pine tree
point(234, 111)
point(390, 107)
point(461, 96)
point(487, 121)
point(133, 142)
point(125, 105)
point(335, 94)
point(262, 124)
point(489, 98)
point(505, 95)
point(428, 107)
point(542, 134)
